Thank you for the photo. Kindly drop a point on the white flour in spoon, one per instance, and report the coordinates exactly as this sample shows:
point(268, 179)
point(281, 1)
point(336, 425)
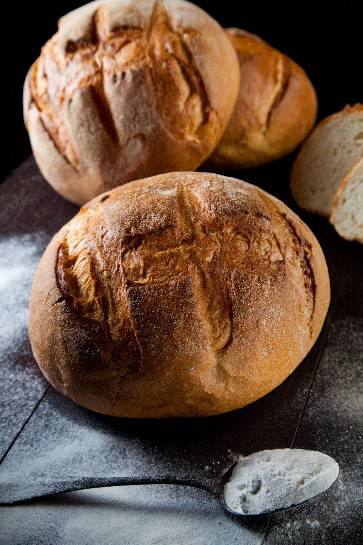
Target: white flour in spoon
point(276, 479)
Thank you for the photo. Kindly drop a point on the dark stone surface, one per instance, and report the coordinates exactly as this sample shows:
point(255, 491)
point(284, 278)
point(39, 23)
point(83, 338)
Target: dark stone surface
point(63, 439)
point(333, 419)
point(25, 229)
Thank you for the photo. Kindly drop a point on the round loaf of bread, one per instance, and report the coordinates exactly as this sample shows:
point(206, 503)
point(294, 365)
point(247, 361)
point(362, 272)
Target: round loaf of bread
point(275, 110)
point(127, 89)
point(185, 294)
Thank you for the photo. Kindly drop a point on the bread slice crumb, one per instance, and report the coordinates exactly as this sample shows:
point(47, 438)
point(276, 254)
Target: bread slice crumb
point(347, 212)
point(326, 158)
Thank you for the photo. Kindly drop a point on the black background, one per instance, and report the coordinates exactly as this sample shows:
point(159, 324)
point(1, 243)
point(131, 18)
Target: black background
point(325, 40)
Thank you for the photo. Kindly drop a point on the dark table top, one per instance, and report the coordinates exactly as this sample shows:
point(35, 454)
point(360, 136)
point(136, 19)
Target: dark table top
point(42, 433)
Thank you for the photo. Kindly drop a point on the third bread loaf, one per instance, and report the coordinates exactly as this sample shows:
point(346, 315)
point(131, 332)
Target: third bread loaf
point(275, 110)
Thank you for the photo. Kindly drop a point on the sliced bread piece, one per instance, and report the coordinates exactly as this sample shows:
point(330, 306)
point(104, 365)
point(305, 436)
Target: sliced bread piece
point(347, 213)
point(326, 158)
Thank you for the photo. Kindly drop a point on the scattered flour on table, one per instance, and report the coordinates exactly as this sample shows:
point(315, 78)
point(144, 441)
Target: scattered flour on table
point(19, 256)
point(141, 515)
point(276, 479)
point(21, 383)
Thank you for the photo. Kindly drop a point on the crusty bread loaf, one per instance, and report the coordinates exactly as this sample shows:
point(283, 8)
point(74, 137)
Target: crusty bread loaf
point(326, 158)
point(347, 211)
point(126, 89)
point(185, 294)
point(275, 110)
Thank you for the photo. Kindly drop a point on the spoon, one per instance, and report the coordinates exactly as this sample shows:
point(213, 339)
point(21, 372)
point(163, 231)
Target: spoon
point(262, 483)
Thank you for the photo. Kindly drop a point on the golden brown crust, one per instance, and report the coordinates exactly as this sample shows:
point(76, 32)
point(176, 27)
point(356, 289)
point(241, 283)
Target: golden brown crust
point(275, 110)
point(347, 110)
point(185, 294)
point(128, 87)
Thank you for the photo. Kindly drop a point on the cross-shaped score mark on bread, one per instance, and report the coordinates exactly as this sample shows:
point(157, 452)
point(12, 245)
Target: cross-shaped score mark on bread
point(190, 247)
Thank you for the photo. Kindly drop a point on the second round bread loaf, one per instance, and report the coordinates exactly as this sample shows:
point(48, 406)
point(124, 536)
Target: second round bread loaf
point(127, 89)
point(185, 294)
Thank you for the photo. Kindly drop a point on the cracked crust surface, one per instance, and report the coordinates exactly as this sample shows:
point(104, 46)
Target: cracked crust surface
point(127, 89)
point(275, 110)
point(185, 294)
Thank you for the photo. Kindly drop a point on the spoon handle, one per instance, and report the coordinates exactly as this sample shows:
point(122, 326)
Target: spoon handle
point(11, 493)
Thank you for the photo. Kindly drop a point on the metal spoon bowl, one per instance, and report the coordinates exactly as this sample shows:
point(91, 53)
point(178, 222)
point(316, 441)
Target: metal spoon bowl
point(14, 493)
